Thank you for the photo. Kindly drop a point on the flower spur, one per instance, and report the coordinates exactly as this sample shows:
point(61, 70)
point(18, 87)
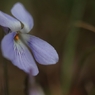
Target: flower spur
point(15, 43)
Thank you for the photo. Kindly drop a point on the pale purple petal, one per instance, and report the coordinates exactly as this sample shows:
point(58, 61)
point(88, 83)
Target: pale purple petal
point(23, 59)
point(43, 52)
point(23, 15)
point(18, 53)
point(10, 22)
point(7, 45)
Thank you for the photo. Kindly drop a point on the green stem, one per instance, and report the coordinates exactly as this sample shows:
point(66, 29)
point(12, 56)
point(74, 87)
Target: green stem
point(70, 46)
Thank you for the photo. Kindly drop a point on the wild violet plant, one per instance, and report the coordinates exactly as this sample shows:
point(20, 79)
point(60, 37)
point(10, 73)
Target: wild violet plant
point(15, 43)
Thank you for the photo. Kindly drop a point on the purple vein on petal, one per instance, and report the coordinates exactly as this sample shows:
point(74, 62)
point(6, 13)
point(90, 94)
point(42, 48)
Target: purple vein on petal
point(19, 54)
point(43, 52)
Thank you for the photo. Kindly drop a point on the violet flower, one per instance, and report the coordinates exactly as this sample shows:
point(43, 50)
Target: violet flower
point(15, 44)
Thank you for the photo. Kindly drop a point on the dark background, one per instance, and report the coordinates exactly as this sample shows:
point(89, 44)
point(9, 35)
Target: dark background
point(68, 25)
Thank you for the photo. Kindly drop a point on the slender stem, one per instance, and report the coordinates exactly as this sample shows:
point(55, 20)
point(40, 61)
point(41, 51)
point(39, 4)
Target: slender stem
point(70, 46)
point(6, 89)
point(5, 70)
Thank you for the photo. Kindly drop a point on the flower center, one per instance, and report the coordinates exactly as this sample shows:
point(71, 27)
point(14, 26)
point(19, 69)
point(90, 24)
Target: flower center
point(16, 37)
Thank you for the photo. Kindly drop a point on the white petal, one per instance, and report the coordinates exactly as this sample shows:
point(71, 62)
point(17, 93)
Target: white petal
point(10, 22)
point(23, 15)
point(18, 53)
point(43, 52)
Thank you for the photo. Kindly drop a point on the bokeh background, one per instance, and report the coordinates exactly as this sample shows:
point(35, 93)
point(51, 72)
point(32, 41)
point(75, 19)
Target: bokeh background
point(68, 25)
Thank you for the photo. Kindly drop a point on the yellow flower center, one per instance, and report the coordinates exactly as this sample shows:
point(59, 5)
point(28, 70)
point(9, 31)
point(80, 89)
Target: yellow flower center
point(16, 37)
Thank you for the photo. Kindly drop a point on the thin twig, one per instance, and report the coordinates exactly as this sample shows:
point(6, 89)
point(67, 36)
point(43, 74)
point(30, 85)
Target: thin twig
point(85, 25)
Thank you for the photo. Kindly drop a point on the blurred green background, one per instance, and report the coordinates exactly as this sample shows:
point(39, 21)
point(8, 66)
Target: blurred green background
point(68, 25)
